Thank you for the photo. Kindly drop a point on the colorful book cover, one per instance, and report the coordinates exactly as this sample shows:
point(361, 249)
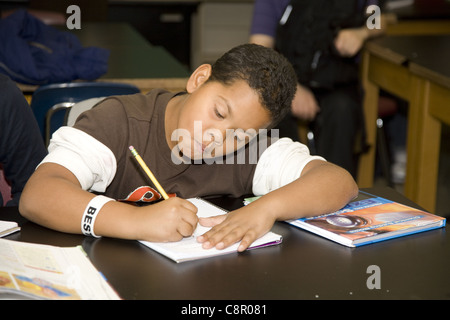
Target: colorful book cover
point(370, 220)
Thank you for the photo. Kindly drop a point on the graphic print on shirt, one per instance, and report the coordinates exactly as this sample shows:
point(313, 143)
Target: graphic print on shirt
point(144, 194)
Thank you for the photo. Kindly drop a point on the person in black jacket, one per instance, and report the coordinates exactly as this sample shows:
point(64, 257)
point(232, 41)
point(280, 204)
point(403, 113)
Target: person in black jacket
point(322, 39)
point(21, 144)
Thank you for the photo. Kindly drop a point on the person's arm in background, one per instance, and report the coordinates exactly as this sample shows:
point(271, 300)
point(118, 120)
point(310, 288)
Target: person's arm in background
point(263, 40)
point(21, 145)
point(349, 42)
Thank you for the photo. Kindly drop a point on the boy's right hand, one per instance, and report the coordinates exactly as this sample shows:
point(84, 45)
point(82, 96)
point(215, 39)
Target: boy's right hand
point(168, 220)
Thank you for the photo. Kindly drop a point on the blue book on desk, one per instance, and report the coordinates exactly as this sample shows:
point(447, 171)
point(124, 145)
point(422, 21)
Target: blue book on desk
point(370, 220)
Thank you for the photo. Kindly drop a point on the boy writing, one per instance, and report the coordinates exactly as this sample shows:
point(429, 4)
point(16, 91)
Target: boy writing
point(250, 87)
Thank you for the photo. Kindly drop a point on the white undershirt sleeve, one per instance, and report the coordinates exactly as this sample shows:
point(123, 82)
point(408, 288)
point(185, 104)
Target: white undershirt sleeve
point(280, 164)
point(88, 159)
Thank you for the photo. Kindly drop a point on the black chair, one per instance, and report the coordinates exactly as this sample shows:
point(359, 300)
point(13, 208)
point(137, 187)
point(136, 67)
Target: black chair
point(50, 102)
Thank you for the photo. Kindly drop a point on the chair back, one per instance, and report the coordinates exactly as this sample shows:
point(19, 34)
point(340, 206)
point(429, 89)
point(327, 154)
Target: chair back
point(49, 103)
point(78, 108)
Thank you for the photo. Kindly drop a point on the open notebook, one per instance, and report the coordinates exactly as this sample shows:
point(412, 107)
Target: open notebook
point(189, 249)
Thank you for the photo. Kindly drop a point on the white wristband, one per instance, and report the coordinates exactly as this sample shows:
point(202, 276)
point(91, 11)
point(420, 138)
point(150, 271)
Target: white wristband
point(90, 214)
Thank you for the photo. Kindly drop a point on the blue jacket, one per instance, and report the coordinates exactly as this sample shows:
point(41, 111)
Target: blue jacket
point(32, 52)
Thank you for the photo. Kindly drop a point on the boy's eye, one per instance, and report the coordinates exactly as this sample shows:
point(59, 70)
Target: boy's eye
point(218, 114)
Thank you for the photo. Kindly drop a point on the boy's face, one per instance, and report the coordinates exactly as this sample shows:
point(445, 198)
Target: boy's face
point(217, 119)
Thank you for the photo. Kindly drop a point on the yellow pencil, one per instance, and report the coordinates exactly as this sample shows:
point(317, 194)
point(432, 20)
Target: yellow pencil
point(148, 172)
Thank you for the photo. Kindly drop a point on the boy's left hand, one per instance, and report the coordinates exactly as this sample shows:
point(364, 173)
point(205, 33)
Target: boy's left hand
point(244, 225)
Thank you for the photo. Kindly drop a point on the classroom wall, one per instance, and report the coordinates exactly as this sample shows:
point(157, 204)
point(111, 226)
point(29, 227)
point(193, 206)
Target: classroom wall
point(195, 32)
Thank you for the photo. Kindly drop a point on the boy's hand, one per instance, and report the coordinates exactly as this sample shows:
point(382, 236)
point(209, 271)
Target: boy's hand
point(168, 220)
point(245, 225)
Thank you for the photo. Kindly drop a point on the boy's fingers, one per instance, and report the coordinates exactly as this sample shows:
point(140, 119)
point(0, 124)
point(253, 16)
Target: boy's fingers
point(186, 229)
point(207, 237)
point(225, 234)
point(184, 204)
point(191, 219)
point(223, 239)
point(212, 221)
point(212, 237)
point(226, 238)
point(246, 238)
point(246, 242)
point(190, 206)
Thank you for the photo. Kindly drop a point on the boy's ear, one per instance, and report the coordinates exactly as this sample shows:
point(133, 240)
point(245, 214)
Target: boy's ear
point(198, 77)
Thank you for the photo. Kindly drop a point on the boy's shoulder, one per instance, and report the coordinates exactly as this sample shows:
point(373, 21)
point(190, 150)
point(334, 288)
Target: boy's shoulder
point(114, 110)
point(143, 105)
point(118, 118)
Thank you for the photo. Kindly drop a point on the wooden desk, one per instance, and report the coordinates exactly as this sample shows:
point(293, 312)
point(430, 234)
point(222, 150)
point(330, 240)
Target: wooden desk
point(416, 69)
point(419, 27)
point(304, 266)
point(132, 58)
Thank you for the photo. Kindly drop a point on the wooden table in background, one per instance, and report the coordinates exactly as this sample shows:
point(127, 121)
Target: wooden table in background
point(417, 69)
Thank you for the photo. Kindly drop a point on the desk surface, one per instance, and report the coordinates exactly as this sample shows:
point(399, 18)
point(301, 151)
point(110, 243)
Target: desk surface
point(304, 266)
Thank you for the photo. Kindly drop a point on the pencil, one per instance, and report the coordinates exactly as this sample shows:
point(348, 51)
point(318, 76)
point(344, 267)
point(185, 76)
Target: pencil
point(148, 172)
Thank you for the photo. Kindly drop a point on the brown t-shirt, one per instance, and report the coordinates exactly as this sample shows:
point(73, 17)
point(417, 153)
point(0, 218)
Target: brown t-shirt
point(138, 120)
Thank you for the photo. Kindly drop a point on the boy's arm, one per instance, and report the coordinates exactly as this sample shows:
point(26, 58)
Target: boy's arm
point(321, 188)
point(53, 198)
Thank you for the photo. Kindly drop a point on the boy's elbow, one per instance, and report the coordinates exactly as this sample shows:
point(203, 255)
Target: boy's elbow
point(351, 185)
point(354, 189)
point(32, 198)
point(348, 187)
point(26, 205)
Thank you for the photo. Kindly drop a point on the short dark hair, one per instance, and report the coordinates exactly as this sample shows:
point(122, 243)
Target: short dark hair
point(265, 70)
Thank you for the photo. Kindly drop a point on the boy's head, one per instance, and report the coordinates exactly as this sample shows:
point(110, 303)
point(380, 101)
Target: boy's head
point(249, 88)
point(265, 71)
